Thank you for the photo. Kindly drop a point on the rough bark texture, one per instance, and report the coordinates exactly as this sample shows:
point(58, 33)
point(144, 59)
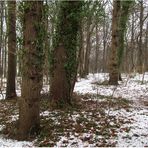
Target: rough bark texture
point(10, 90)
point(29, 121)
point(64, 63)
point(113, 74)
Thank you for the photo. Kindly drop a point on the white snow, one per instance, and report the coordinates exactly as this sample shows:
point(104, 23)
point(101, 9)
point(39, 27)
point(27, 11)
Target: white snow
point(1, 127)
point(74, 141)
point(13, 143)
point(138, 133)
point(131, 88)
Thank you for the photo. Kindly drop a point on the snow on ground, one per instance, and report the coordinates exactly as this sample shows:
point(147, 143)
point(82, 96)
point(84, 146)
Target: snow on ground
point(13, 143)
point(134, 133)
point(131, 88)
point(73, 141)
point(138, 133)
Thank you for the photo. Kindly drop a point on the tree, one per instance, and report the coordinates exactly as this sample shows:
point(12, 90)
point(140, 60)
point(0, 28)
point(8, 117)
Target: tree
point(146, 48)
point(1, 34)
point(140, 42)
point(10, 90)
point(119, 21)
point(113, 74)
point(93, 14)
point(64, 55)
point(124, 16)
point(33, 32)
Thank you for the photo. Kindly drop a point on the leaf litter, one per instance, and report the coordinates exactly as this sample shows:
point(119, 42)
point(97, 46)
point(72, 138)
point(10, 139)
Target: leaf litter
point(102, 115)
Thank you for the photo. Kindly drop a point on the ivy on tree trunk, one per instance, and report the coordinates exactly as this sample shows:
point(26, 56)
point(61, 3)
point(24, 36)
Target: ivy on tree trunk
point(64, 55)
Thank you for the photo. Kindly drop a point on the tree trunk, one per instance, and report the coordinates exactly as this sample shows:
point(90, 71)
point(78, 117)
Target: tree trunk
point(64, 63)
point(140, 52)
point(113, 74)
point(146, 49)
point(87, 55)
point(88, 47)
point(97, 49)
point(105, 33)
point(5, 43)
point(33, 33)
point(124, 15)
point(10, 90)
point(81, 52)
point(132, 46)
point(1, 35)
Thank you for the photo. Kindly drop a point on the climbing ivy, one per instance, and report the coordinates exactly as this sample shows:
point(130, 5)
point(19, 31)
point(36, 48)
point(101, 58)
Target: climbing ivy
point(67, 26)
point(36, 59)
point(124, 15)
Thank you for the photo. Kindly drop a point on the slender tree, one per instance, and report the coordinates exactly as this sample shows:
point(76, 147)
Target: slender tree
point(64, 63)
point(10, 90)
point(5, 50)
point(140, 41)
point(29, 121)
point(97, 49)
point(146, 48)
point(1, 34)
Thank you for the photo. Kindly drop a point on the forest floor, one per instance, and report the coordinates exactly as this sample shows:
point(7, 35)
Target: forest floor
point(101, 115)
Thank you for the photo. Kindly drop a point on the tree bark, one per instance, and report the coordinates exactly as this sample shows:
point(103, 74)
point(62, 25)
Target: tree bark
point(124, 15)
point(132, 46)
point(97, 49)
point(29, 120)
point(88, 47)
point(140, 42)
point(64, 63)
point(81, 51)
point(146, 48)
point(113, 74)
point(10, 90)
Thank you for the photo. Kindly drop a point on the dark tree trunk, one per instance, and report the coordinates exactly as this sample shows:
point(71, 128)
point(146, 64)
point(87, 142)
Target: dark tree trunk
point(10, 90)
point(81, 52)
point(113, 74)
point(105, 33)
point(88, 47)
point(29, 121)
point(124, 15)
point(146, 48)
point(132, 46)
point(140, 42)
point(97, 49)
point(64, 63)
point(87, 53)
point(5, 43)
